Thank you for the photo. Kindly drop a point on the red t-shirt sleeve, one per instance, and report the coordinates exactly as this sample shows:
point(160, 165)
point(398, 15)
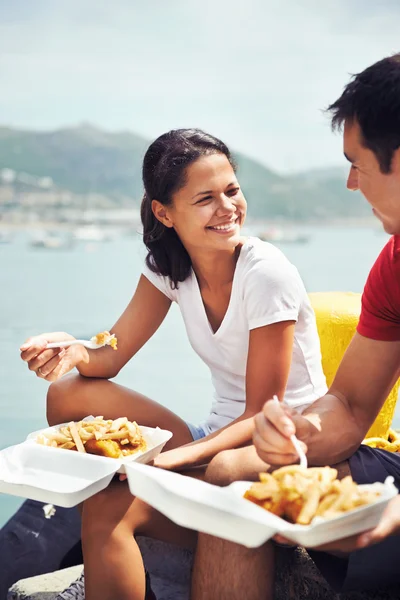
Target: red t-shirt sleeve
point(380, 310)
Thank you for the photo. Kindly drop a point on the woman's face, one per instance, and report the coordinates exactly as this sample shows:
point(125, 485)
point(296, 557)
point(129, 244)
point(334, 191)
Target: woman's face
point(209, 210)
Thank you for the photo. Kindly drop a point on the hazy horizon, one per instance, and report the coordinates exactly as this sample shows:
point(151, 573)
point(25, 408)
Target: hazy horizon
point(258, 74)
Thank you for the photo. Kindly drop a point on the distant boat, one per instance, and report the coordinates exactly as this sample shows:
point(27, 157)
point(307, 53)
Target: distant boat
point(277, 235)
point(50, 241)
point(90, 233)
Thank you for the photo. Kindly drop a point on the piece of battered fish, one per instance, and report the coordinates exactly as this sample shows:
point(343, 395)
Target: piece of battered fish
point(108, 448)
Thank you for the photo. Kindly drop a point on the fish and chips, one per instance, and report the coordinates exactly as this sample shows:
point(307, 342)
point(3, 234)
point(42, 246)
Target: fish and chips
point(298, 495)
point(105, 338)
point(111, 438)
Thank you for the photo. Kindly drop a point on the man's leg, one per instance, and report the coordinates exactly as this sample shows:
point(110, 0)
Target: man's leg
point(225, 570)
point(231, 572)
point(370, 568)
point(242, 464)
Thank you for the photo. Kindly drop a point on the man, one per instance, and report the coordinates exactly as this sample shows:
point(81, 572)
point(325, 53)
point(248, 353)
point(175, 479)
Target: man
point(332, 429)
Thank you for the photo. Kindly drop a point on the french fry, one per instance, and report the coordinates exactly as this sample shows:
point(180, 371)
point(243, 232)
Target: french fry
point(67, 445)
point(59, 437)
point(310, 506)
point(299, 494)
point(123, 437)
point(325, 504)
point(117, 424)
point(115, 435)
point(75, 436)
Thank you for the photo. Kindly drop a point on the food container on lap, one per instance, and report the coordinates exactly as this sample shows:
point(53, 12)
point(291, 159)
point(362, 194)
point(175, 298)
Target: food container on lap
point(195, 504)
point(323, 531)
point(223, 512)
point(155, 438)
point(65, 477)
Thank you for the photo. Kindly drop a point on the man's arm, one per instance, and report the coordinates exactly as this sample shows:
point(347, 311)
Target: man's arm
point(333, 427)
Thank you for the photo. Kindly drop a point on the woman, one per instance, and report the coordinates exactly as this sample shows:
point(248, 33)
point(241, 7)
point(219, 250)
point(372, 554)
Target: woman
point(246, 313)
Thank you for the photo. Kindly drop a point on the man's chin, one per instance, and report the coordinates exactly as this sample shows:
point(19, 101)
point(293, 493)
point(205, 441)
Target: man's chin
point(391, 229)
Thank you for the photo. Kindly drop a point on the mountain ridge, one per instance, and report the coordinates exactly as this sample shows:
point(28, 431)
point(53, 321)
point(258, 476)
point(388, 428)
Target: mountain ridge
point(88, 159)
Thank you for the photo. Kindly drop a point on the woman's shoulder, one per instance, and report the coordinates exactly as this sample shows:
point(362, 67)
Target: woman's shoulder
point(263, 255)
point(265, 267)
point(164, 283)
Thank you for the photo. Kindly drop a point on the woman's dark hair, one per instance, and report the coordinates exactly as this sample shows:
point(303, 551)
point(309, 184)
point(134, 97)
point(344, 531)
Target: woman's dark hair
point(164, 173)
point(372, 99)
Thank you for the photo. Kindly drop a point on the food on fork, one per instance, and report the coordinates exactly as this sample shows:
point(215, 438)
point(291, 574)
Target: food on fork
point(112, 438)
point(105, 338)
point(298, 495)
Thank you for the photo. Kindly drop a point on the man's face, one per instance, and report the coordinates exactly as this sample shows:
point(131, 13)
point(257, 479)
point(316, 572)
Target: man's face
point(381, 190)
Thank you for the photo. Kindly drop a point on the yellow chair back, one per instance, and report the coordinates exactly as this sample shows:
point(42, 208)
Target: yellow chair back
point(337, 315)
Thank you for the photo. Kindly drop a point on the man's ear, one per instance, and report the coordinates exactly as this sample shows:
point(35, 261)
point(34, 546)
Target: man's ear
point(161, 214)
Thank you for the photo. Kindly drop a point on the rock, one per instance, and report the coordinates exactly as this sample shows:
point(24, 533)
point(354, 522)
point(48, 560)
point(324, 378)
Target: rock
point(43, 587)
point(297, 578)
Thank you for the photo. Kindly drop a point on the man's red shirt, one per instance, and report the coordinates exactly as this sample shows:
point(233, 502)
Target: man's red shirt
point(380, 312)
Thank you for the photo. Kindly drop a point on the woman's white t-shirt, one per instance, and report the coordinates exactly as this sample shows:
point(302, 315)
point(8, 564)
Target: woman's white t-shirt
point(266, 289)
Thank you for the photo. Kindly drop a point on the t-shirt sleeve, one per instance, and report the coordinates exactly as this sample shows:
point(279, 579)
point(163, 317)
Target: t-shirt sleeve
point(161, 282)
point(380, 303)
point(272, 293)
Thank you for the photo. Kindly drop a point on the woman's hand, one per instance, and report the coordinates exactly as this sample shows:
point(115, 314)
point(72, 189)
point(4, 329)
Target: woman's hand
point(173, 460)
point(53, 363)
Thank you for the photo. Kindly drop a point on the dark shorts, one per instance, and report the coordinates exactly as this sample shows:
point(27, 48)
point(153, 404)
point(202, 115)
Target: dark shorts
point(377, 566)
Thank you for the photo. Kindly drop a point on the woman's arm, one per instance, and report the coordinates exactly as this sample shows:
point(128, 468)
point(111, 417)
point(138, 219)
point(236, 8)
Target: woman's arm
point(140, 320)
point(267, 372)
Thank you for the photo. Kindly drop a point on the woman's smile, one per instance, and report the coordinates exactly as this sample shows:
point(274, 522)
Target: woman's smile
point(225, 227)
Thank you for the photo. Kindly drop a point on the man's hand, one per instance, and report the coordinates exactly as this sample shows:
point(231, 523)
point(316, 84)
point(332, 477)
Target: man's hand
point(273, 427)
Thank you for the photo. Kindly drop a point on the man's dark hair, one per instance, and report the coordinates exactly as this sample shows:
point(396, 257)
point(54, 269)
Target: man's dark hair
point(372, 99)
point(164, 173)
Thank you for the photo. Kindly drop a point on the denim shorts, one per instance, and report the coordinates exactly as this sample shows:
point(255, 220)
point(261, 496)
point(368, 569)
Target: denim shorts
point(196, 431)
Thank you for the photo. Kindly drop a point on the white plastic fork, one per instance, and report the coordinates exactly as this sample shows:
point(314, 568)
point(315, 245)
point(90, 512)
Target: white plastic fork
point(87, 343)
point(295, 442)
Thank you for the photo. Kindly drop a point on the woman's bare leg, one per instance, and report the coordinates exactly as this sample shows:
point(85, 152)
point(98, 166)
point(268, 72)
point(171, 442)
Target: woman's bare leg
point(110, 519)
point(113, 563)
point(75, 397)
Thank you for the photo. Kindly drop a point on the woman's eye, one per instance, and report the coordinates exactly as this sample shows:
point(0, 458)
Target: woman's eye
point(203, 200)
point(233, 191)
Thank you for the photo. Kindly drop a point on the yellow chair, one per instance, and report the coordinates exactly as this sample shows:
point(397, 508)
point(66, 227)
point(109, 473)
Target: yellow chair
point(337, 316)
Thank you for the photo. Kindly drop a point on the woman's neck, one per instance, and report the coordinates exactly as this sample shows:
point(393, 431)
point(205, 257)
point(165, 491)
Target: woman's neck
point(215, 269)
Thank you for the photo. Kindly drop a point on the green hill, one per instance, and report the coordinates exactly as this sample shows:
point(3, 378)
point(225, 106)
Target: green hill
point(86, 159)
point(82, 159)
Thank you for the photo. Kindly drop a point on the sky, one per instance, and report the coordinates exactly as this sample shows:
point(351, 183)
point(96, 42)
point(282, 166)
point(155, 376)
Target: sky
point(257, 73)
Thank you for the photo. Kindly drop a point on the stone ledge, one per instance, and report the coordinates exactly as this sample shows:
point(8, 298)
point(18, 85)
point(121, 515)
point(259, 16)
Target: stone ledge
point(170, 567)
point(44, 587)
